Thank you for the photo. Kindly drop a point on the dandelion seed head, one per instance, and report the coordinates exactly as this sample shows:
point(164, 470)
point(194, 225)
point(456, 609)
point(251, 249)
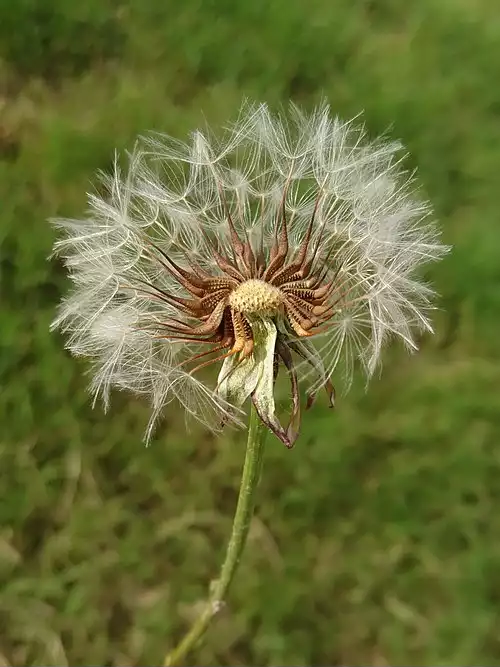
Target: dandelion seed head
point(297, 219)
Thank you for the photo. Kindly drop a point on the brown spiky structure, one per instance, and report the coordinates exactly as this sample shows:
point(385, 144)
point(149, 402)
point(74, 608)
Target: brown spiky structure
point(289, 288)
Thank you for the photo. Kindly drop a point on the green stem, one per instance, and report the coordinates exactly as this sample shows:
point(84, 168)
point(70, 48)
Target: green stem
point(241, 524)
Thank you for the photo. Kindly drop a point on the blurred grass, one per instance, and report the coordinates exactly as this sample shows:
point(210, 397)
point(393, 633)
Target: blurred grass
point(377, 539)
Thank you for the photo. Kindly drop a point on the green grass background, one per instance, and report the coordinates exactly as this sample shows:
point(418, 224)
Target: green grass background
point(377, 539)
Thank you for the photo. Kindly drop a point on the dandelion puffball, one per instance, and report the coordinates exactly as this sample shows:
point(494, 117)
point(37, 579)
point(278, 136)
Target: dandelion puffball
point(290, 241)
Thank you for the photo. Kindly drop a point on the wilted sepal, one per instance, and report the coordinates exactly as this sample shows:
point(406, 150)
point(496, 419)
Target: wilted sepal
point(254, 376)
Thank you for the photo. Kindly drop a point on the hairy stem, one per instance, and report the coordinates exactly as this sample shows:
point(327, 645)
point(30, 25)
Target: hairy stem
point(241, 524)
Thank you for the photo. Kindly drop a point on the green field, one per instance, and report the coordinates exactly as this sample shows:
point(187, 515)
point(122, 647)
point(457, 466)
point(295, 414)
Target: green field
point(377, 539)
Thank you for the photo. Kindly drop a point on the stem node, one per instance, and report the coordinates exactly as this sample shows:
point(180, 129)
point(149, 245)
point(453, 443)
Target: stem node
point(239, 533)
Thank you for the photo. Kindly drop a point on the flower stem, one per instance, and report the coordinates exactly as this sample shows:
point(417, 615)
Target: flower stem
point(241, 524)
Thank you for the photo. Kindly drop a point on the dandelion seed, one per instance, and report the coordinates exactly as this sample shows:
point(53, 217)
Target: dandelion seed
point(292, 242)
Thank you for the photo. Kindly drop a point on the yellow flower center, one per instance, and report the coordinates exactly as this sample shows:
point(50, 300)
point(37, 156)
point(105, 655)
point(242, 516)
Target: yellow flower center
point(256, 297)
